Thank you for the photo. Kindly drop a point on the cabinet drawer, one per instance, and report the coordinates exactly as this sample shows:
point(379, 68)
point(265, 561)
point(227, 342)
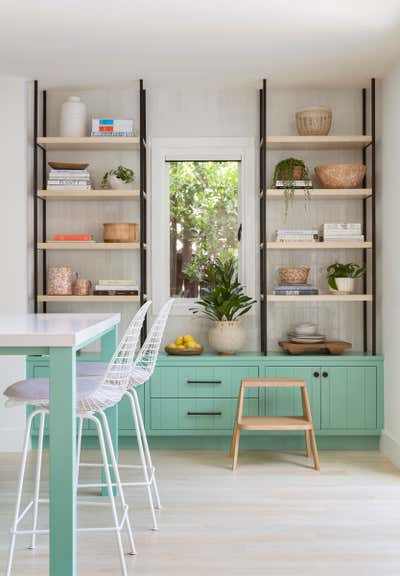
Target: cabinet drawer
point(201, 382)
point(197, 413)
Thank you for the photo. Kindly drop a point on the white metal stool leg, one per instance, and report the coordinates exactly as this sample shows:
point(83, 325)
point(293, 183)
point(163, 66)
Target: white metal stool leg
point(37, 479)
point(79, 446)
point(118, 527)
point(121, 494)
point(143, 459)
point(17, 515)
point(146, 447)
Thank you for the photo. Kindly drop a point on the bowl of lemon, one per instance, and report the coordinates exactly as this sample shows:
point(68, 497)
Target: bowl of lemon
point(184, 346)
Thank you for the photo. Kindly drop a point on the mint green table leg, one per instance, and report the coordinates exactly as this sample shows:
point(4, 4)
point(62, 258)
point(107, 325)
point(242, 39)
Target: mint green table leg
point(109, 343)
point(62, 373)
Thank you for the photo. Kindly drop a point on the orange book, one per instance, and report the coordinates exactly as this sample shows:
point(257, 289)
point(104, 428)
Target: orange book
point(72, 237)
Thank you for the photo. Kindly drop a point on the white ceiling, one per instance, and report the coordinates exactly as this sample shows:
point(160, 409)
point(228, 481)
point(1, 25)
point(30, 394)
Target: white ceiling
point(289, 41)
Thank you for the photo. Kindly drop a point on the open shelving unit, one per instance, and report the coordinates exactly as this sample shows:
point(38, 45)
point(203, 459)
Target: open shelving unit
point(366, 194)
point(44, 144)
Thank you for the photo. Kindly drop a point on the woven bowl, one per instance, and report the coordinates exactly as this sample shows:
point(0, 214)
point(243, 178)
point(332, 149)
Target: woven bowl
point(341, 175)
point(294, 275)
point(315, 121)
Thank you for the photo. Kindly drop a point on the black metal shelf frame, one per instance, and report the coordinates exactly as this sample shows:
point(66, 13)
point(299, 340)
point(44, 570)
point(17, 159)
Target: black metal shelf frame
point(40, 210)
point(366, 207)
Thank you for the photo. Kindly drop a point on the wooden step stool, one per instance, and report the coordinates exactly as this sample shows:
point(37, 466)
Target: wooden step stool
point(303, 422)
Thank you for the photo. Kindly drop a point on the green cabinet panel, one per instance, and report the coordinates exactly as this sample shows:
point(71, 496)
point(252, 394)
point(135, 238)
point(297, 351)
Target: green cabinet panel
point(349, 397)
point(201, 381)
point(197, 413)
point(287, 401)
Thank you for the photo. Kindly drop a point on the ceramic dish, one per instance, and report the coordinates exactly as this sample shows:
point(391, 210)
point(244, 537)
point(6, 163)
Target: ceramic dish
point(305, 329)
point(300, 340)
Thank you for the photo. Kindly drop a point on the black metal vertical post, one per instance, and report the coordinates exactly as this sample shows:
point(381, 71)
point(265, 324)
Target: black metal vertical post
point(34, 191)
point(263, 243)
point(364, 221)
point(44, 206)
point(373, 209)
point(143, 204)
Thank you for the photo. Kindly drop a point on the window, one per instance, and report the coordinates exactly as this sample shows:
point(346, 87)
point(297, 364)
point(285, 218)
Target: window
point(204, 219)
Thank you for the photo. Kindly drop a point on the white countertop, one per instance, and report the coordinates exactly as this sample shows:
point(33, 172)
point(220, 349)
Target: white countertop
point(53, 329)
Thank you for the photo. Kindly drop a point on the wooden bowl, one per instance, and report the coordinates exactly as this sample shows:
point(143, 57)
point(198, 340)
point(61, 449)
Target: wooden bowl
point(294, 275)
point(67, 166)
point(341, 175)
point(120, 232)
point(184, 351)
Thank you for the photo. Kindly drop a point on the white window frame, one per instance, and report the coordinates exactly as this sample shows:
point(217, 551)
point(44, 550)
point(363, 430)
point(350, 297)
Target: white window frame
point(234, 149)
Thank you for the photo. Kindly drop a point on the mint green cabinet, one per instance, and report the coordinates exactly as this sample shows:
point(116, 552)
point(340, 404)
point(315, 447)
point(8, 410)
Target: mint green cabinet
point(349, 398)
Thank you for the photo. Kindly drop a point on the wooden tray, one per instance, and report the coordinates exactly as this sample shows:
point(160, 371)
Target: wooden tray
point(67, 166)
point(319, 347)
point(184, 351)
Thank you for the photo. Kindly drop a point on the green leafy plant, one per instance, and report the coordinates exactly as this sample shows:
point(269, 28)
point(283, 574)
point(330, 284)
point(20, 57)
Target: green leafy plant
point(125, 174)
point(223, 298)
point(290, 170)
point(338, 270)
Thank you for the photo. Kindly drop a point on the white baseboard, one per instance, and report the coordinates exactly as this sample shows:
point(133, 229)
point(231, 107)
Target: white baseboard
point(391, 448)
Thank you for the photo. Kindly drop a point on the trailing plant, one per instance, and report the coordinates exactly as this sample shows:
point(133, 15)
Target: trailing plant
point(223, 297)
point(290, 170)
point(125, 174)
point(338, 270)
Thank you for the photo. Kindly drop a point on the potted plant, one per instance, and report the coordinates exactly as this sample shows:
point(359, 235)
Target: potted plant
point(224, 302)
point(288, 171)
point(119, 178)
point(341, 276)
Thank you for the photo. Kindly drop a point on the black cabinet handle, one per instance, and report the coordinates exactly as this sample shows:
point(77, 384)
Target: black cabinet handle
point(325, 374)
point(203, 381)
point(239, 234)
point(204, 413)
point(316, 374)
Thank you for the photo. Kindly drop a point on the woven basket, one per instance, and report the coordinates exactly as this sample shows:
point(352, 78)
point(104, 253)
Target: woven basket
point(314, 121)
point(294, 275)
point(120, 232)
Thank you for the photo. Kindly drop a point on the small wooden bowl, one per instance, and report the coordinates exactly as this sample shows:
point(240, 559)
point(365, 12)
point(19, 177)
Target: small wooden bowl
point(67, 166)
point(184, 351)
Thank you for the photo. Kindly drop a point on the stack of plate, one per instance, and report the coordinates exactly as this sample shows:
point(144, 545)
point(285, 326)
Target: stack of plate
point(306, 333)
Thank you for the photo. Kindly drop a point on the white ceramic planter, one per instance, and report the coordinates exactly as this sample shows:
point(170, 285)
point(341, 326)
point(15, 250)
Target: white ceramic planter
point(226, 337)
point(73, 120)
point(345, 285)
point(118, 184)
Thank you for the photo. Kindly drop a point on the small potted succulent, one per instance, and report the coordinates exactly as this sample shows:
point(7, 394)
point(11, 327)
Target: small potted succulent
point(120, 178)
point(224, 302)
point(341, 276)
point(288, 171)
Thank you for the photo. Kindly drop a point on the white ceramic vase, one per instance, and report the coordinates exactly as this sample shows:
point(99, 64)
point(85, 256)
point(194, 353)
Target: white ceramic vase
point(73, 121)
point(118, 184)
point(344, 285)
point(226, 337)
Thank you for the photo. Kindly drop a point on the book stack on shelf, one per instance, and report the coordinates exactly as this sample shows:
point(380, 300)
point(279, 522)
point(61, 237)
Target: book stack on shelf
point(293, 184)
point(112, 127)
point(295, 290)
point(297, 236)
point(116, 288)
point(342, 232)
point(72, 238)
point(69, 180)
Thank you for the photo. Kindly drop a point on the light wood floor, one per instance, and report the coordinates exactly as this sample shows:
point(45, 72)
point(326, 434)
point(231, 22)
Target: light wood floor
point(271, 517)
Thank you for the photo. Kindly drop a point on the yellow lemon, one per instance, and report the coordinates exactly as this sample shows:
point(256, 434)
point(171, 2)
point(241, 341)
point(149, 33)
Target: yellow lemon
point(180, 346)
point(179, 341)
point(196, 345)
point(172, 345)
point(188, 338)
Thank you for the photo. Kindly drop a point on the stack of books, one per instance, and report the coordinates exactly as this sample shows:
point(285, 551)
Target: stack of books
point(111, 127)
point(293, 184)
point(72, 238)
point(116, 288)
point(342, 232)
point(69, 180)
point(295, 290)
point(297, 236)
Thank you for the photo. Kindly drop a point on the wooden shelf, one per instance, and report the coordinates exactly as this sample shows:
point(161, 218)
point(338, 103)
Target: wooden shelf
point(89, 143)
point(88, 194)
point(88, 246)
point(92, 298)
point(318, 245)
point(323, 193)
point(321, 298)
point(317, 142)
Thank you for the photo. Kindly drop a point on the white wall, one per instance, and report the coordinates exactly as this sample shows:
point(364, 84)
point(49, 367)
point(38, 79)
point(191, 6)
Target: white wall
point(390, 270)
point(14, 239)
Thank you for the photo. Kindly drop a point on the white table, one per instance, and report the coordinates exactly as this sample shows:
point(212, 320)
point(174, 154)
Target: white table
point(60, 336)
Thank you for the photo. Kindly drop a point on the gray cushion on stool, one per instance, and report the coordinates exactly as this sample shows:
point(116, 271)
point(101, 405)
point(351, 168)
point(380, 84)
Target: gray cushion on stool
point(38, 388)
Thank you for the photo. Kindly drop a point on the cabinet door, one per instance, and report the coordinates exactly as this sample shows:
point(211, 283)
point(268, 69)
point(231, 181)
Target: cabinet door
point(349, 397)
point(125, 419)
point(287, 401)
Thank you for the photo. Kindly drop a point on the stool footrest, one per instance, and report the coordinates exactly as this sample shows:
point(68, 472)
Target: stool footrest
point(274, 423)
